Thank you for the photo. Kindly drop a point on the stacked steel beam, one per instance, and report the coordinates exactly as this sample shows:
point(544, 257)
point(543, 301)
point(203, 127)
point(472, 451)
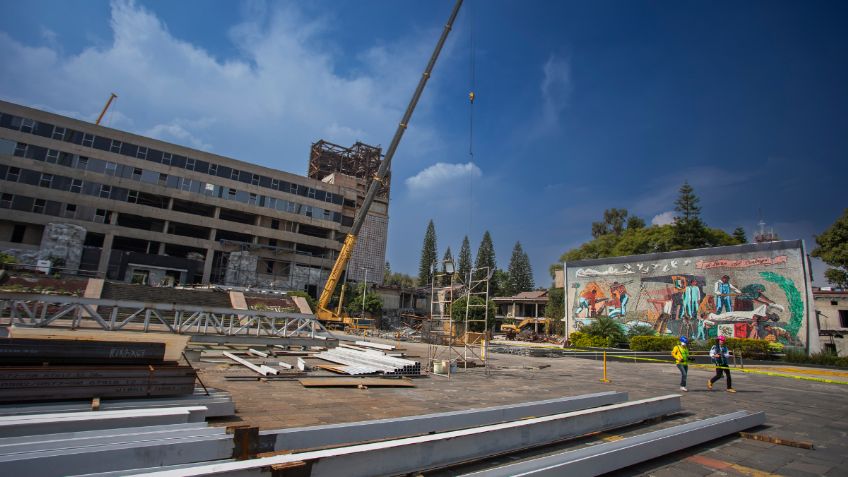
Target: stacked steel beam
point(380, 363)
point(44, 370)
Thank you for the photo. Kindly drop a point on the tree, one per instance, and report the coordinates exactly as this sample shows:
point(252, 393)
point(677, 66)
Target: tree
point(739, 235)
point(832, 248)
point(605, 327)
point(635, 223)
point(689, 230)
point(499, 284)
point(464, 259)
point(428, 256)
point(520, 272)
point(485, 262)
point(397, 279)
point(555, 310)
point(373, 302)
point(614, 220)
point(476, 313)
point(448, 257)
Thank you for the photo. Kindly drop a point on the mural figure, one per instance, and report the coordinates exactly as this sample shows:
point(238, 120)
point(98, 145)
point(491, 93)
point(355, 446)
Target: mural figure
point(691, 299)
point(587, 303)
point(723, 291)
point(619, 300)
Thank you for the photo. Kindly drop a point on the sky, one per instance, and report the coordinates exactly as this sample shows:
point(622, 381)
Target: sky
point(579, 106)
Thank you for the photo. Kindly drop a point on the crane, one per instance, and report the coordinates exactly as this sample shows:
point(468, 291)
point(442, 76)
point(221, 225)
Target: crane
point(112, 97)
point(323, 313)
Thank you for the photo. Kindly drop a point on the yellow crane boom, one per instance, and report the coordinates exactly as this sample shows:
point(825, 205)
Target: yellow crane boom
point(324, 313)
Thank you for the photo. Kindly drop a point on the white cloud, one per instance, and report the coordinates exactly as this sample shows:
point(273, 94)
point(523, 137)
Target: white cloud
point(664, 218)
point(555, 88)
point(442, 176)
point(266, 105)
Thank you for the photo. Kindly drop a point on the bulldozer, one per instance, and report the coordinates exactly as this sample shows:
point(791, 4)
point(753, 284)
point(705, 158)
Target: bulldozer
point(525, 330)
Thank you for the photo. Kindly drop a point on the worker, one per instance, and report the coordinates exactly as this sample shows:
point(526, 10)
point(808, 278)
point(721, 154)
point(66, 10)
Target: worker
point(719, 354)
point(681, 359)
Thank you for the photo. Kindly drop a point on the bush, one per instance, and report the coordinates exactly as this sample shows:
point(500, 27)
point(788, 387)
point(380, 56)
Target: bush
point(607, 328)
point(640, 330)
point(823, 359)
point(582, 340)
point(747, 348)
point(653, 343)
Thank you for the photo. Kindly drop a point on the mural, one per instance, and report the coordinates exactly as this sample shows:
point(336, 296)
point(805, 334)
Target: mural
point(746, 291)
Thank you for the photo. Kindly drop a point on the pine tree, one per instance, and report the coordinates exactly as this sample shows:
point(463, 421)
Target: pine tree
point(832, 249)
point(485, 262)
point(447, 257)
point(689, 230)
point(428, 256)
point(464, 259)
point(520, 273)
point(739, 235)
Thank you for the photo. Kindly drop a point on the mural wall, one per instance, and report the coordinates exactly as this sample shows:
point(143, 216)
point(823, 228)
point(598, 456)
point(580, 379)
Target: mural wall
point(758, 291)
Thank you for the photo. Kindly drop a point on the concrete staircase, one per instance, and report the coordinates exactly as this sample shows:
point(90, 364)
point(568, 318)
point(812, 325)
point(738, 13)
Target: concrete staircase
point(147, 294)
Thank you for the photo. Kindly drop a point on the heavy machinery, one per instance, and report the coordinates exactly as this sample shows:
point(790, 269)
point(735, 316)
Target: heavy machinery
point(514, 331)
point(323, 313)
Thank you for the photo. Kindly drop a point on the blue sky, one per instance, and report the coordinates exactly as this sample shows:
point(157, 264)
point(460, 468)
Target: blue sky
point(580, 106)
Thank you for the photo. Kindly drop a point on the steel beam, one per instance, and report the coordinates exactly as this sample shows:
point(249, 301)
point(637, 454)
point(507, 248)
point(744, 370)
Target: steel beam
point(602, 458)
point(414, 454)
point(363, 431)
point(12, 426)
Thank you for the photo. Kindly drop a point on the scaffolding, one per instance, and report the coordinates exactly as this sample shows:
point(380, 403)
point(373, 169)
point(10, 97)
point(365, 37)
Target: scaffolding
point(476, 343)
point(443, 351)
point(360, 160)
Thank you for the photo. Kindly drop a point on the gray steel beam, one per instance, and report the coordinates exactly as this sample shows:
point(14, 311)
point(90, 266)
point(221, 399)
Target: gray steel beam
point(603, 458)
point(357, 432)
point(421, 453)
point(263, 340)
point(12, 426)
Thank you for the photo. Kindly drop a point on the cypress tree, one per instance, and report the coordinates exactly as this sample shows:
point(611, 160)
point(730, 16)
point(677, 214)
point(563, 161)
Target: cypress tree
point(739, 235)
point(486, 259)
point(464, 260)
point(689, 230)
point(520, 273)
point(428, 256)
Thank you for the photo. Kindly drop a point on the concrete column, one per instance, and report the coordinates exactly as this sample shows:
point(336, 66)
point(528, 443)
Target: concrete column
point(217, 214)
point(207, 265)
point(161, 250)
point(105, 253)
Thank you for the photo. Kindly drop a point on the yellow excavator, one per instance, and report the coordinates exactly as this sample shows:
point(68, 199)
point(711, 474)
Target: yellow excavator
point(323, 313)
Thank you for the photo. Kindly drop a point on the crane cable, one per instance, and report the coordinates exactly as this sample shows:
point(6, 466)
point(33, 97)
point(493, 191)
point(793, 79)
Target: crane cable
point(471, 95)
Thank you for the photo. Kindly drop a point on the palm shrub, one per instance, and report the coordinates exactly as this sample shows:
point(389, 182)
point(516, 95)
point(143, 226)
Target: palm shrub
point(605, 327)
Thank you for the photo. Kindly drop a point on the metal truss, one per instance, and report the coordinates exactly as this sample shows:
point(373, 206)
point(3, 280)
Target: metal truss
point(42, 310)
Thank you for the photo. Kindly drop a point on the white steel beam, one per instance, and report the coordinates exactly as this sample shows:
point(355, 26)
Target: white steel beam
point(11, 426)
point(363, 431)
point(602, 458)
point(414, 454)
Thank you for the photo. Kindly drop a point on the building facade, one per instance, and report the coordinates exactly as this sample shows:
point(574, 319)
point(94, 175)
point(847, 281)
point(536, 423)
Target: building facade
point(759, 291)
point(832, 314)
point(121, 206)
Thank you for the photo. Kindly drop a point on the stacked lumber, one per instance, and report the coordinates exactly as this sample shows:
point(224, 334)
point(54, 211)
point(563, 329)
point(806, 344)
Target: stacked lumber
point(54, 364)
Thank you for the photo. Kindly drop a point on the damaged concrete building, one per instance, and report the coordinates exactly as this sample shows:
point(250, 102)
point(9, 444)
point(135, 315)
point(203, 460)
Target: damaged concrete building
point(102, 202)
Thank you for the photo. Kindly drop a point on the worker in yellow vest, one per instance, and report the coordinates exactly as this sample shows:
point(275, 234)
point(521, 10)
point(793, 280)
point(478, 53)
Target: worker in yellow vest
point(681, 359)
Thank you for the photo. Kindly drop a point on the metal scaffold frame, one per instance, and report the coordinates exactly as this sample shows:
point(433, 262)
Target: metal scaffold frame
point(476, 344)
point(442, 349)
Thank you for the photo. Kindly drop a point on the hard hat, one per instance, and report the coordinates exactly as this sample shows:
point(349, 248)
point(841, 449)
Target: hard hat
point(684, 340)
point(721, 338)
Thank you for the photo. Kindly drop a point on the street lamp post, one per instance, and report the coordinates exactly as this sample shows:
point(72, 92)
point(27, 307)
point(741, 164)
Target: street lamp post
point(364, 286)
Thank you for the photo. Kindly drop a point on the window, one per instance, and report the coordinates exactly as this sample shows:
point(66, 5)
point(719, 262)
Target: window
point(132, 197)
point(272, 242)
point(76, 186)
point(136, 174)
point(307, 211)
point(111, 168)
point(275, 184)
point(166, 158)
point(100, 215)
point(58, 133)
point(186, 185)
point(311, 193)
point(189, 164)
point(88, 140)
point(255, 179)
point(46, 180)
point(52, 156)
point(18, 233)
point(105, 190)
point(82, 162)
point(38, 206)
point(231, 194)
point(12, 174)
point(275, 224)
point(293, 188)
point(269, 267)
point(210, 189)
point(70, 210)
point(141, 153)
point(843, 318)
point(115, 146)
point(6, 201)
point(252, 200)
point(20, 149)
point(234, 174)
point(163, 178)
point(27, 125)
point(213, 169)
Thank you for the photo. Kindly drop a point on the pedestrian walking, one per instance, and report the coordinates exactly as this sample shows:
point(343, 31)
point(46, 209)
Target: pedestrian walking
point(681, 359)
point(719, 354)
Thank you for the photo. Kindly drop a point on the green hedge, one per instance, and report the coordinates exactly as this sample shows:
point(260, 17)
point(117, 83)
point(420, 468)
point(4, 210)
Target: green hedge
point(581, 340)
point(747, 348)
point(653, 343)
point(824, 359)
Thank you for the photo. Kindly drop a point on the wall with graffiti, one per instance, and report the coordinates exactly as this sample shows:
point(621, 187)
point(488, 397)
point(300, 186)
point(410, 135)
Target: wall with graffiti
point(758, 291)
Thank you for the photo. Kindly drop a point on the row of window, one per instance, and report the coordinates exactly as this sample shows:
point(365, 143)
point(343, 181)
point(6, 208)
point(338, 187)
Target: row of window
point(90, 214)
point(166, 180)
point(58, 133)
point(105, 191)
